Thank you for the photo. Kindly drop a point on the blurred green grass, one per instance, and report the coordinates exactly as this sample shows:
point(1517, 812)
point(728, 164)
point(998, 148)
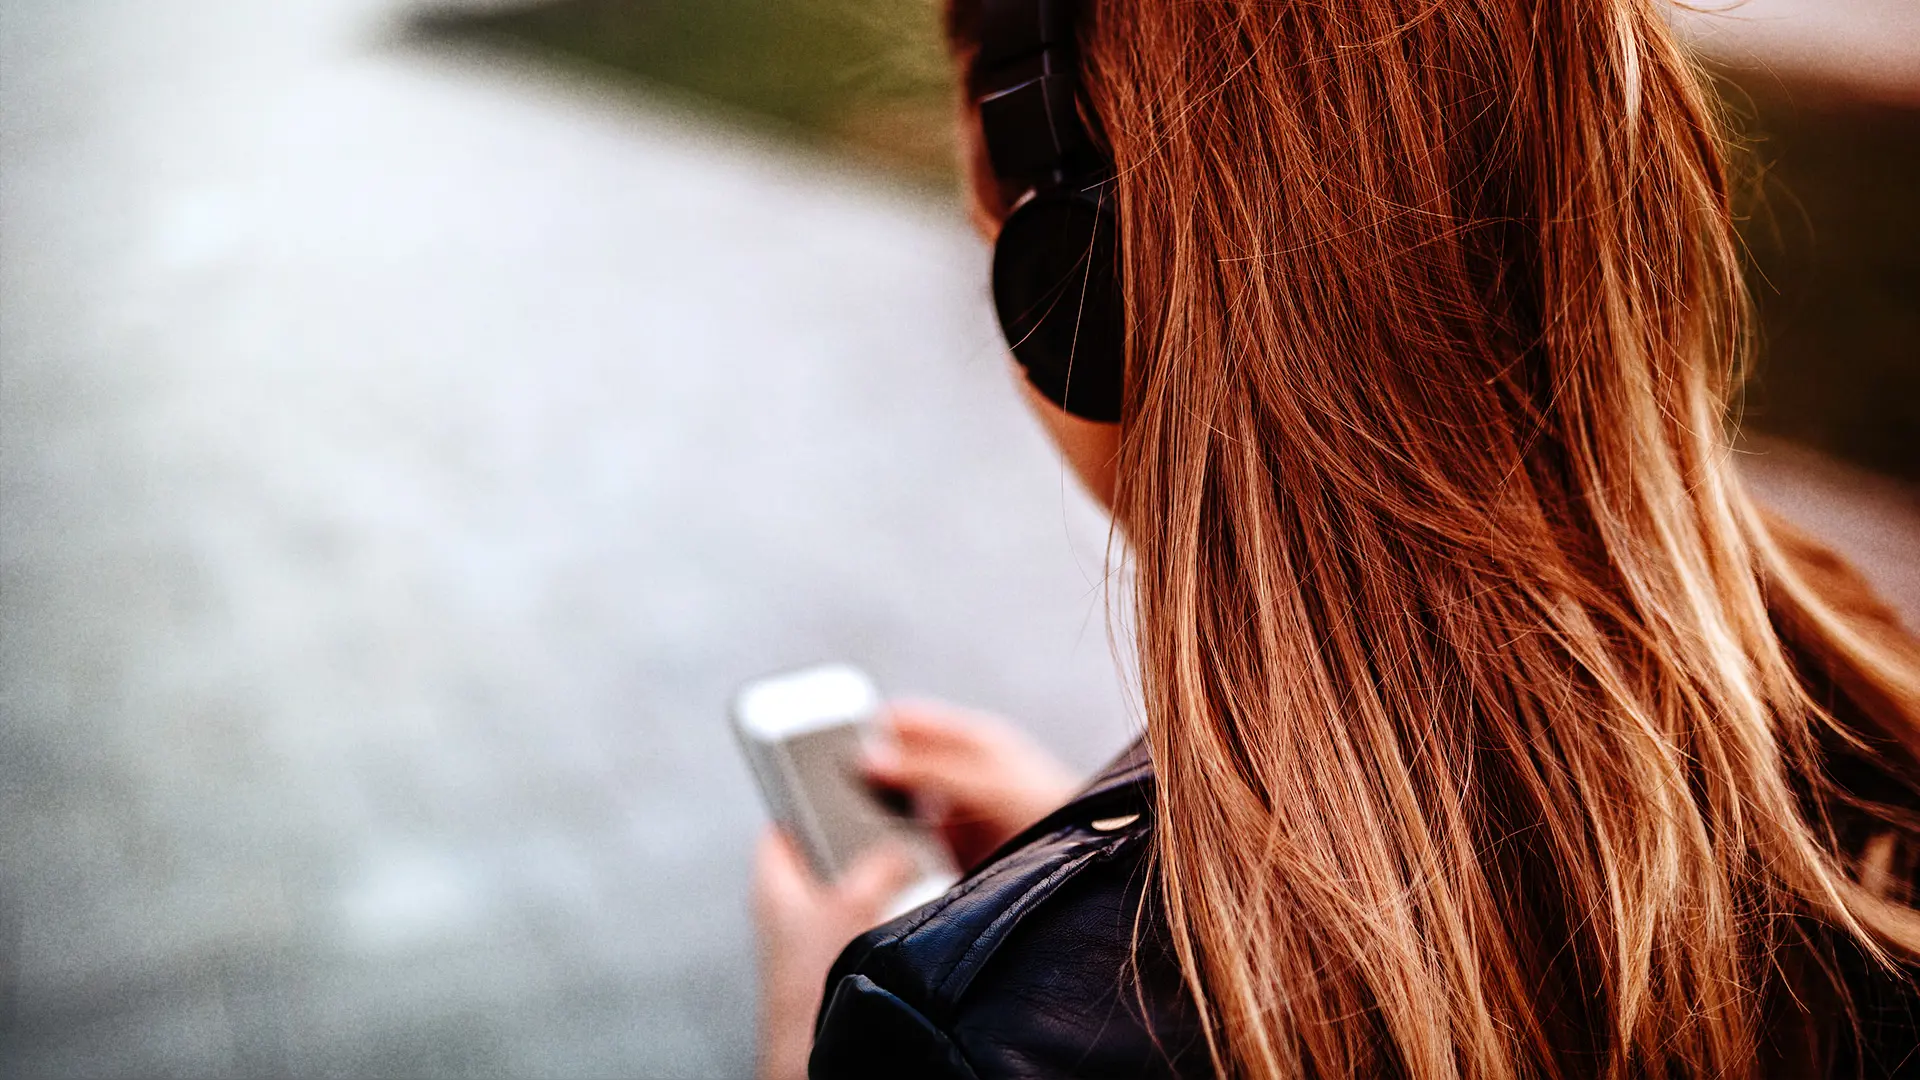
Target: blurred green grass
point(865, 77)
point(1831, 214)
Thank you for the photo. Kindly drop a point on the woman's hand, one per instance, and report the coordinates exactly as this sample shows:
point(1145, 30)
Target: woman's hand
point(803, 924)
point(978, 779)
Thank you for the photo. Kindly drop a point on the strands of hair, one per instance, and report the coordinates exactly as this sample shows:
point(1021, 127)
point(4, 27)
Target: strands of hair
point(1498, 733)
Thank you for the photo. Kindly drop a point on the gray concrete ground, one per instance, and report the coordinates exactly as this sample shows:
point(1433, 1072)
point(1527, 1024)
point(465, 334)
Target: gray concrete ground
point(402, 456)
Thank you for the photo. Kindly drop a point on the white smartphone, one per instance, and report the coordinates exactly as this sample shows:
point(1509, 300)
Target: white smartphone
point(802, 733)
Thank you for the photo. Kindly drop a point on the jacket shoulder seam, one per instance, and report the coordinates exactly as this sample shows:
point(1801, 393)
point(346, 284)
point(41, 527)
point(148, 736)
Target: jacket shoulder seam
point(954, 983)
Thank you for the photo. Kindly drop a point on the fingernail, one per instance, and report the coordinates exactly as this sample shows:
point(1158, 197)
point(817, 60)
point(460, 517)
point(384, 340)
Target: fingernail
point(879, 757)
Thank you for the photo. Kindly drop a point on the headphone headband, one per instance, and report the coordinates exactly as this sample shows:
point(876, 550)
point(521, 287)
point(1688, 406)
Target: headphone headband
point(1026, 78)
point(1055, 263)
point(1010, 29)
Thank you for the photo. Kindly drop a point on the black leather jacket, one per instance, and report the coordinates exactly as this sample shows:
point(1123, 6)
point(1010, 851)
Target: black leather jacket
point(1028, 968)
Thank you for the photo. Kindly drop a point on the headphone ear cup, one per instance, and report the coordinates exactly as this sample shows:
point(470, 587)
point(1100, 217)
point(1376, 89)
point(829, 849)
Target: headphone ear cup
point(1056, 288)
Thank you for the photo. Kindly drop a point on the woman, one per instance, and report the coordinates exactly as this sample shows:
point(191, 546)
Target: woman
point(1491, 730)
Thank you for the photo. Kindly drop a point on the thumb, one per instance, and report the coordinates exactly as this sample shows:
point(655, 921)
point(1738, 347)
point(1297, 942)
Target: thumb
point(781, 877)
point(877, 877)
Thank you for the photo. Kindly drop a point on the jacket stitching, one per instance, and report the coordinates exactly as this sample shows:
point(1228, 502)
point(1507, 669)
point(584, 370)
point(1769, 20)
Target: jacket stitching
point(993, 873)
point(988, 939)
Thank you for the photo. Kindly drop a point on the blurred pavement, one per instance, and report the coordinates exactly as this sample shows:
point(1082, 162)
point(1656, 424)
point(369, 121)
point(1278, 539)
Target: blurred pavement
point(402, 456)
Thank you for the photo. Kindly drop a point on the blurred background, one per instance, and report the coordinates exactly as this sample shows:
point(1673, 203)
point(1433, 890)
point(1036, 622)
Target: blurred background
point(415, 420)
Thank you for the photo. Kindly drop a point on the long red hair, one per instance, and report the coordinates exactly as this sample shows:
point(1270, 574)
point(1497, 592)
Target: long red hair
point(1497, 733)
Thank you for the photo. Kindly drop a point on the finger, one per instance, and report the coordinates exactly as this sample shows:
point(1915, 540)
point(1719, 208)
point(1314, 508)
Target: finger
point(781, 876)
point(890, 756)
point(930, 724)
point(880, 759)
point(920, 771)
point(876, 877)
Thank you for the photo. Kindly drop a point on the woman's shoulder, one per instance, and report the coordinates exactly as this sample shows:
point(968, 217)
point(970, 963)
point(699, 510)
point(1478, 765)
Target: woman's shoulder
point(1029, 966)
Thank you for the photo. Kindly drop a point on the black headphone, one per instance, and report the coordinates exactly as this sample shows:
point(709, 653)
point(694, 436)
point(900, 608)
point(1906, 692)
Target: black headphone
point(1056, 263)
